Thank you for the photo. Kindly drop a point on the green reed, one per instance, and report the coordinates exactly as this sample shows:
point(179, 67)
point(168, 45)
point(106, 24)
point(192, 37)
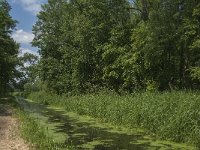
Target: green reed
point(171, 116)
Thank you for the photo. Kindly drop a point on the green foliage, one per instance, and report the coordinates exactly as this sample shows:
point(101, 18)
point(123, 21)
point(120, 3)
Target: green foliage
point(28, 68)
point(33, 87)
point(119, 45)
point(195, 73)
point(73, 61)
point(36, 134)
point(173, 116)
point(8, 48)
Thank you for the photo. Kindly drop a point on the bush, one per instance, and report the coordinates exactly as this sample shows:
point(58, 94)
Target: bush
point(33, 87)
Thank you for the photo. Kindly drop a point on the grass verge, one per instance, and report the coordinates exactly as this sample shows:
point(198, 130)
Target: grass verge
point(171, 116)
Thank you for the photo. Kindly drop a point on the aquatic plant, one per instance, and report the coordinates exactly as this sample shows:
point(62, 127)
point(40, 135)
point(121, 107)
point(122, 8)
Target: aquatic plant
point(37, 135)
point(171, 116)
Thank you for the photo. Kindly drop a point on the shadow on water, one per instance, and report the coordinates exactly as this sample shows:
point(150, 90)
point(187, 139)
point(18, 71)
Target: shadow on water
point(85, 135)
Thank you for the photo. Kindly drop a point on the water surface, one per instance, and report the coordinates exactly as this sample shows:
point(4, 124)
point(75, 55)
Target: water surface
point(86, 133)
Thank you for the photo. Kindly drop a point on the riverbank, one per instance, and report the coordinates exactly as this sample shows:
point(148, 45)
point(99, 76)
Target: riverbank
point(167, 116)
point(20, 131)
point(9, 127)
point(37, 133)
point(68, 130)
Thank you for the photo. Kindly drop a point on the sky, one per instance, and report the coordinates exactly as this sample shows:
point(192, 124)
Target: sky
point(25, 12)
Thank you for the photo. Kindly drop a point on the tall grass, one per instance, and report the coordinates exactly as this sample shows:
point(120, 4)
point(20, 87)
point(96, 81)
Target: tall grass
point(171, 116)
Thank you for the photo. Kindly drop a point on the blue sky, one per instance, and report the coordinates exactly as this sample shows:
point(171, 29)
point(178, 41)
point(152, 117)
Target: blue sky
point(25, 11)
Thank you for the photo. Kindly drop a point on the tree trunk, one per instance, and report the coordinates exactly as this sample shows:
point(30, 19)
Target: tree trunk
point(145, 14)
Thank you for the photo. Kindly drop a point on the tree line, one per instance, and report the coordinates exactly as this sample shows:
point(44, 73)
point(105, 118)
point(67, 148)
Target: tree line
point(123, 45)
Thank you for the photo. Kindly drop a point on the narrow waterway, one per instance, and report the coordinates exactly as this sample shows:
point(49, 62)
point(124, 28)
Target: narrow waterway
point(86, 133)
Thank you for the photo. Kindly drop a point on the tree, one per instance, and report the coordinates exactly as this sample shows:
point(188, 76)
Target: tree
point(28, 69)
point(72, 44)
point(120, 45)
point(8, 48)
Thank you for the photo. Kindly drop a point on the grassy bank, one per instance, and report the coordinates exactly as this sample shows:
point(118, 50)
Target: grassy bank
point(171, 116)
point(33, 132)
point(37, 134)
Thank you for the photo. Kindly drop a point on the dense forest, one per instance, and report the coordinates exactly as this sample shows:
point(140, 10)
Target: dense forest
point(87, 45)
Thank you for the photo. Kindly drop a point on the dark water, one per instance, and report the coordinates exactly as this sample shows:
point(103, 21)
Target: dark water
point(84, 135)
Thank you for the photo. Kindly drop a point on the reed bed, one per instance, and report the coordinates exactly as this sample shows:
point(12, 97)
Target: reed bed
point(171, 116)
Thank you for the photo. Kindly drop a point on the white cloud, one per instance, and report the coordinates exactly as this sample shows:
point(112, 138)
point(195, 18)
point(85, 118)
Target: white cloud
point(26, 50)
point(22, 36)
point(33, 6)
